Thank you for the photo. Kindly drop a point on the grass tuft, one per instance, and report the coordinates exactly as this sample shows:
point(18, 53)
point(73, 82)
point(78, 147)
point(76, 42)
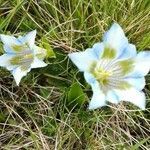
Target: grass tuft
point(34, 116)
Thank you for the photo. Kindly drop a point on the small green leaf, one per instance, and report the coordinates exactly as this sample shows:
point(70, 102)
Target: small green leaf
point(47, 46)
point(76, 96)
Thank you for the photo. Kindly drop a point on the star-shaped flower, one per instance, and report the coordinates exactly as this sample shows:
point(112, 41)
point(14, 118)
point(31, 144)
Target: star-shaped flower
point(114, 69)
point(21, 54)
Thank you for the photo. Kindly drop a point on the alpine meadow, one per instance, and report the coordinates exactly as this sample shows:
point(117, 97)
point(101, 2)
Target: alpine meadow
point(47, 108)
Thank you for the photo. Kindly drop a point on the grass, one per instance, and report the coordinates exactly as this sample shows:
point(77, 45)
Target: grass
point(36, 115)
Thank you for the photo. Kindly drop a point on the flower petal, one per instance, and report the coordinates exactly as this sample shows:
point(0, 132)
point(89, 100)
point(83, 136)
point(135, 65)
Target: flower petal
point(142, 65)
point(37, 63)
point(115, 38)
point(138, 83)
point(128, 52)
point(5, 61)
point(83, 60)
point(8, 41)
point(134, 96)
point(39, 52)
point(98, 49)
point(98, 98)
point(28, 38)
point(89, 78)
point(112, 97)
point(18, 73)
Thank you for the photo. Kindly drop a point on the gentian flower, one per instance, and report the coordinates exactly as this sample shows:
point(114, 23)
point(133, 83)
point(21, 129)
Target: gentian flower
point(21, 54)
point(114, 69)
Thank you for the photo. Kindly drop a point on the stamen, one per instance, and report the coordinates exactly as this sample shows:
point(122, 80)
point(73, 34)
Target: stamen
point(101, 75)
point(109, 74)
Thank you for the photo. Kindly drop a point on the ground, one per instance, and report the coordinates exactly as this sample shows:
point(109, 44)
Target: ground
point(44, 113)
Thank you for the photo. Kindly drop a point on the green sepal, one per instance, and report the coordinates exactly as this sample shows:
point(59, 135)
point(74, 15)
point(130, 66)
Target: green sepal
point(49, 51)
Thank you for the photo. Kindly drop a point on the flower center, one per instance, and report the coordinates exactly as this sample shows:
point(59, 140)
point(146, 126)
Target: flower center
point(20, 59)
point(111, 74)
point(23, 57)
point(102, 75)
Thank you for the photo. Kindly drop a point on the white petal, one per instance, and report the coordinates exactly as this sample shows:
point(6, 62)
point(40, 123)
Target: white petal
point(39, 52)
point(138, 83)
point(37, 49)
point(18, 74)
point(142, 65)
point(8, 41)
point(98, 98)
point(37, 63)
point(112, 97)
point(83, 60)
point(134, 96)
point(29, 38)
point(5, 61)
point(98, 49)
point(20, 38)
point(128, 52)
point(115, 38)
point(89, 78)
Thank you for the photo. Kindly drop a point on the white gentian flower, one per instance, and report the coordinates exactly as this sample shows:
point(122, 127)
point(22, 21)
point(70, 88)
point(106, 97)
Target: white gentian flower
point(21, 54)
point(114, 69)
